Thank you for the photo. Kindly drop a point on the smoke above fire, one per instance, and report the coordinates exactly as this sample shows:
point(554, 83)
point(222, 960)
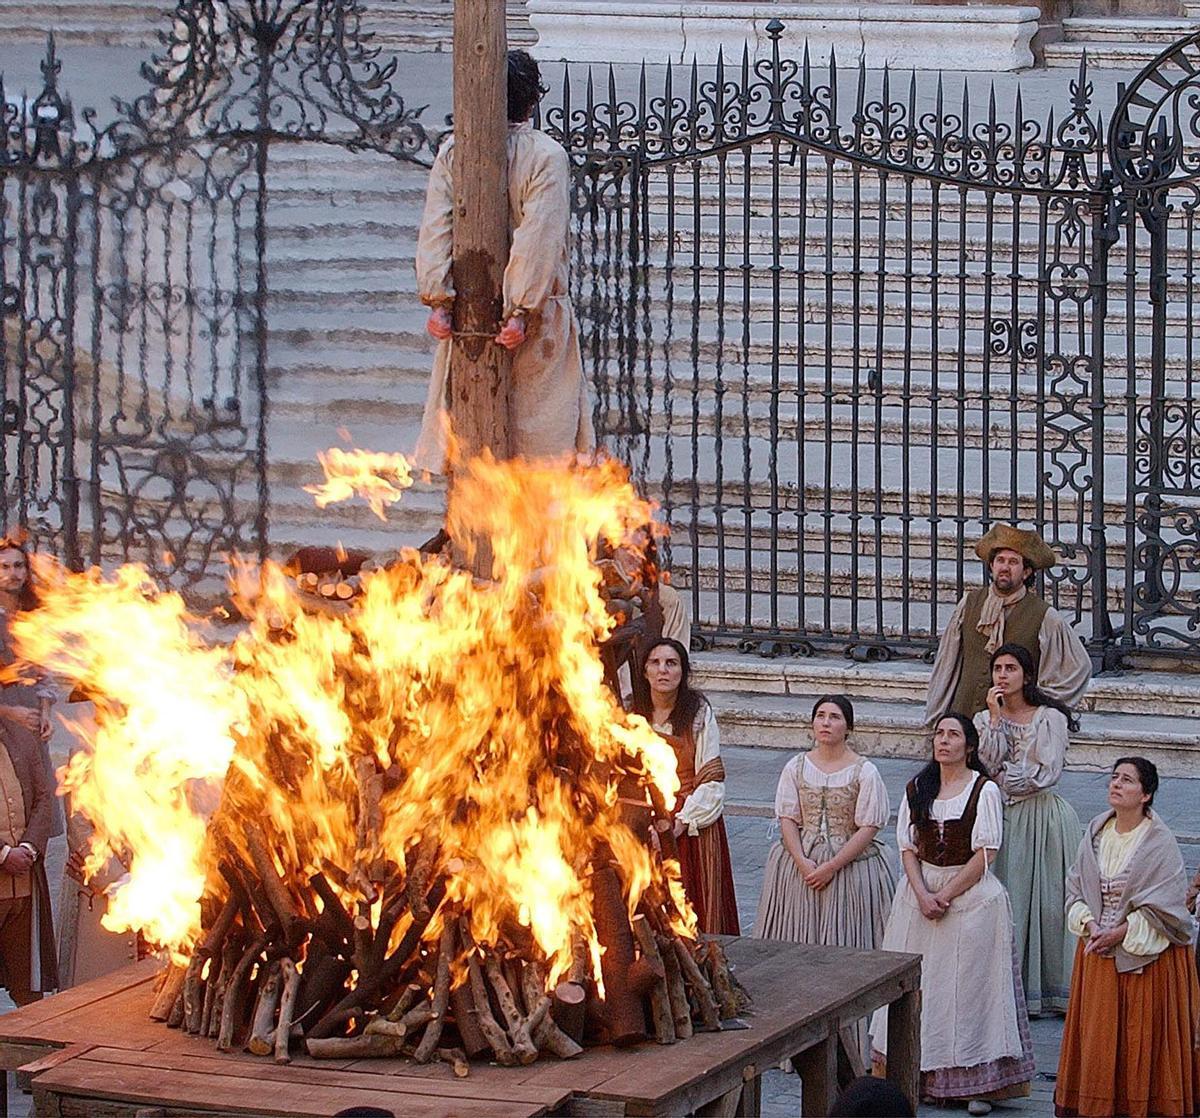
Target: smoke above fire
point(458, 725)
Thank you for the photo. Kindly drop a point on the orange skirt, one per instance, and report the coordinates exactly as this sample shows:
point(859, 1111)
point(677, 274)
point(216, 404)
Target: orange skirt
point(1129, 1041)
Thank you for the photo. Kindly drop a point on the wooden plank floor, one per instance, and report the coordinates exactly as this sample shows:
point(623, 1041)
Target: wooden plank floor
point(800, 995)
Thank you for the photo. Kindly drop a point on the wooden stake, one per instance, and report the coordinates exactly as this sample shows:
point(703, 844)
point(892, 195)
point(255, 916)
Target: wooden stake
point(681, 1010)
point(660, 1001)
point(441, 996)
point(479, 369)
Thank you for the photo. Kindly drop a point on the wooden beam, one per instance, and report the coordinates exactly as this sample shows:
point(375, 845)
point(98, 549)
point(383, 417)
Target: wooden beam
point(904, 1044)
point(479, 369)
point(818, 1076)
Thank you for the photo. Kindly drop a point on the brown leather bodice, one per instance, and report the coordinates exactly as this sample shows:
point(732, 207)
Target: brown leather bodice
point(949, 843)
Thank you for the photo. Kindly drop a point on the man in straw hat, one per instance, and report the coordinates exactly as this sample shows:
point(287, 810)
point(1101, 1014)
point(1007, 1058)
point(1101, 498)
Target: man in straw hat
point(1006, 610)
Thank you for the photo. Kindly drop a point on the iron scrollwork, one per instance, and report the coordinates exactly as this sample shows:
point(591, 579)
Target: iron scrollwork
point(133, 276)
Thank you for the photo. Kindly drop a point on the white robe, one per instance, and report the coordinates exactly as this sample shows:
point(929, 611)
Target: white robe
point(549, 410)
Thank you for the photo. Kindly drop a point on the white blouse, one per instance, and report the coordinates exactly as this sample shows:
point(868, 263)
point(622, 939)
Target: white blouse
point(1023, 760)
point(870, 808)
point(989, 816)
point(704, 806)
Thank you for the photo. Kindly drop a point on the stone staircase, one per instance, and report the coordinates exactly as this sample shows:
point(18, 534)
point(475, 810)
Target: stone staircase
point(1121, 42)
point(768, 704)
point(348, 352)
point(406, 25)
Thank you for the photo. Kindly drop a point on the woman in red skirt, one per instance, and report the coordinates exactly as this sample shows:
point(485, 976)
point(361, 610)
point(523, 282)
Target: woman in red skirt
point(684, 718)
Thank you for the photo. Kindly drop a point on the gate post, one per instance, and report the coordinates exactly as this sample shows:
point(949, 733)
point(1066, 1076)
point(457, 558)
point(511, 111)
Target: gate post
point(1102, 210)
point(1153, 211)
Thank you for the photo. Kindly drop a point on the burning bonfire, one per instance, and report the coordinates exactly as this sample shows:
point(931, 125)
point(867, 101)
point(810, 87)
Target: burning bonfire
point(420, 824)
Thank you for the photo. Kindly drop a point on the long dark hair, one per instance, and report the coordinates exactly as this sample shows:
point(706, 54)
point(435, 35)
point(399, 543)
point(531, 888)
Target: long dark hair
point(928, 782)
point(27, 598)
point(688, 701)
point(1032, 693)
point(1147, 777)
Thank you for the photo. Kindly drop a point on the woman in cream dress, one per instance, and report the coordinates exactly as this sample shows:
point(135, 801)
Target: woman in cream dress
point(827, 880)
point(952, 911)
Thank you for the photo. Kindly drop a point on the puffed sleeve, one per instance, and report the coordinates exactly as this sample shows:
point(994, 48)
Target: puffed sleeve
point(538, 242)
point(787, 792)
point(871, 807)
point(988, 831)
point(904, 835)
point(435, 242)
point(947, 666)
point(1078, 918)
point(1041, 765)
point(1064, 666)
point(704, 806)
point(993, 742)
point(1141, 938)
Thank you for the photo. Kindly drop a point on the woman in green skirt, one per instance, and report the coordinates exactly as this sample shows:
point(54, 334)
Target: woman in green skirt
point(1023, 743)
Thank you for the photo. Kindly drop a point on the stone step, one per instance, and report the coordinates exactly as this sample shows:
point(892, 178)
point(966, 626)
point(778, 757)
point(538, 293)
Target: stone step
point(307, 279)
point(1101, 55)
point(893, 580)
point(810, 537)
point(1127, 29)
point(968, 253)
point(827, 622)
point(395, 24)
point(897, 501)
point(894, 730)
point(907, 682)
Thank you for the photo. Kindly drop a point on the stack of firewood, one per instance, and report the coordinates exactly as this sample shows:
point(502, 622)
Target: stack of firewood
point(280, 966)
point(330, 574)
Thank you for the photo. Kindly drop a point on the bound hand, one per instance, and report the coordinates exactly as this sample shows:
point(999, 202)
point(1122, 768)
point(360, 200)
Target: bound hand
point(995, 703)
point(512, 333)
point(74, 867)
point(440, 325)
point(27, 717)
point(680, 828)
point(46, 727)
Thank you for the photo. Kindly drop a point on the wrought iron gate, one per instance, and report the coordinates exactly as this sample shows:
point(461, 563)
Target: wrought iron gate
point(837, 323)
point(135, 287)
point(841, 324)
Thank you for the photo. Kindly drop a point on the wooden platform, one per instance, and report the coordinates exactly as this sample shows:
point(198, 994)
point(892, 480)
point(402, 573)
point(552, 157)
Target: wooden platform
point(94, 1049)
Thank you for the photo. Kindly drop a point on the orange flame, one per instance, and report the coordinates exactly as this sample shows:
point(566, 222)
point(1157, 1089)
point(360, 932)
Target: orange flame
point(380, 479)
point(481, 702)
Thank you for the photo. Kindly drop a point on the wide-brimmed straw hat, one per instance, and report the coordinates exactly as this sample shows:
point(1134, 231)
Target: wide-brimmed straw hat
point(1027, 544)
